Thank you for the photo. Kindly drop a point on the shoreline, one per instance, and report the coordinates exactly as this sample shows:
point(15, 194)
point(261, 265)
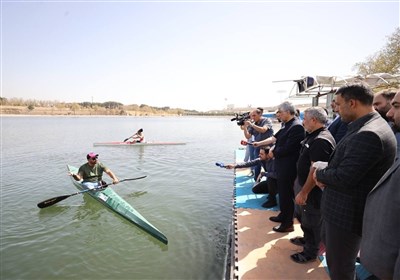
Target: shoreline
point(68, 112)
point(114, 116)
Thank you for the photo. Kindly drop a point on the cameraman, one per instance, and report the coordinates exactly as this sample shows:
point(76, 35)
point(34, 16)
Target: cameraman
point(258, 128)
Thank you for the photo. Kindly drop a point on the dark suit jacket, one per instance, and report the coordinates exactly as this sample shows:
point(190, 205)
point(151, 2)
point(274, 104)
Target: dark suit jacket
point(287, 147)
point(358, 162)
point(338, 129)
point(380, 244)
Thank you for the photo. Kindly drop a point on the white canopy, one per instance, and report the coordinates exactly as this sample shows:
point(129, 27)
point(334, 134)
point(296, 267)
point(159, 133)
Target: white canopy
point(322, 84)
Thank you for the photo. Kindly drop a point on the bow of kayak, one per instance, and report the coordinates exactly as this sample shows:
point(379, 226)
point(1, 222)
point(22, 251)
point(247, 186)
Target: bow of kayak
point(109, 198)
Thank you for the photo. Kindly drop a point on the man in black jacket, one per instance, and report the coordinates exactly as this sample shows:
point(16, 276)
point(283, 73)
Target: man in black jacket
point(286, 152)
point(262, 187)
point(317, 146)
point(358, 162)
point(337, 127)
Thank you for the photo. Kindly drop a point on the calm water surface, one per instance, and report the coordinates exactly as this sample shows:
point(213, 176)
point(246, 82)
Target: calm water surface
point(185, 195)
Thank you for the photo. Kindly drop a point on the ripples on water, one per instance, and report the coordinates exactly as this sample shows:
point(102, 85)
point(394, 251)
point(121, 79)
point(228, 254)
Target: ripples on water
point(185, 195)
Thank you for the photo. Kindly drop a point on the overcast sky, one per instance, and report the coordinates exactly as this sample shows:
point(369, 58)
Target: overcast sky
point(198, 55)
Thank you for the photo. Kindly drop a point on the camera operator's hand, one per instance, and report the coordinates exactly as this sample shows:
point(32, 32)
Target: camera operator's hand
point(248, 123)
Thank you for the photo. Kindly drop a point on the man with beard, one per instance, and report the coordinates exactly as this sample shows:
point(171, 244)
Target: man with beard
point(382, 105)
point(382, 101)
point(380, 244)
point(360, 159)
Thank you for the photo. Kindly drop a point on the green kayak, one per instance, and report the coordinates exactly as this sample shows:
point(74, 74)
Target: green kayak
point(113, 201)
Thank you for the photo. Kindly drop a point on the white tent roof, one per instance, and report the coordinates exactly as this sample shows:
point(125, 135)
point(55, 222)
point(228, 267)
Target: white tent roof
point(322, 84)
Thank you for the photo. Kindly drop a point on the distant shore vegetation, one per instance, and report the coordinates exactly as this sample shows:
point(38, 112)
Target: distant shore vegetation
point(19, 106)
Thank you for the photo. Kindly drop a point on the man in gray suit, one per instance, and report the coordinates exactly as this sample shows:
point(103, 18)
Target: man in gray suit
point(380, 244)
point(360, 159)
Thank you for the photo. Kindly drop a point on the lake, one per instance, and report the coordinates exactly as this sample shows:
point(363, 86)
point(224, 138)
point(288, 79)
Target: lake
point(184, 195)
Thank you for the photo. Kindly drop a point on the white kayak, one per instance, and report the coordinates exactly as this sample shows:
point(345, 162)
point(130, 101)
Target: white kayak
point(135, 144)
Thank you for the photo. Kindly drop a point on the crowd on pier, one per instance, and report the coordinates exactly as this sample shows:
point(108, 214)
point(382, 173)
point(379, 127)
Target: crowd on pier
point(339, 178)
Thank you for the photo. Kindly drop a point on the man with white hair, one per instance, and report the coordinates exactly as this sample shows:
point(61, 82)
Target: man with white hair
point(317, 146)
point(286, 152)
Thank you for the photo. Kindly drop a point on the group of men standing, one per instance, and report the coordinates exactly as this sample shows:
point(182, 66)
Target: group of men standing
point(331, 198)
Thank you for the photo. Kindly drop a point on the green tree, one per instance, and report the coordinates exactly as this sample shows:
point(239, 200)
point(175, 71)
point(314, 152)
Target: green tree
point(112, 105)
point(387, 60)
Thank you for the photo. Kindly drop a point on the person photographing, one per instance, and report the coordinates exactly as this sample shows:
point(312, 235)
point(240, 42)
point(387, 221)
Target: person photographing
point(257, 128)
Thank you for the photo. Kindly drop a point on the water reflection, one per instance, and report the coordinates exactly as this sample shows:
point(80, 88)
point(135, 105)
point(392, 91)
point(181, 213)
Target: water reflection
point(184, 196)
point(136, 194)
point(52, 211)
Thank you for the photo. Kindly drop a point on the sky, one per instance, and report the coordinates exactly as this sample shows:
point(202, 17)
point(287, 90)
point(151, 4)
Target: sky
point(200, 55)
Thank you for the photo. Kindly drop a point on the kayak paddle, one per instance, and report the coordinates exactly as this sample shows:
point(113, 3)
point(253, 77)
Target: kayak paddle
point(54, 200)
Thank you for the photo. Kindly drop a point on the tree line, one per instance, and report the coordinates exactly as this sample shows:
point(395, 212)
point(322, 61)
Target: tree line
point(111, 106)
point(386, 60)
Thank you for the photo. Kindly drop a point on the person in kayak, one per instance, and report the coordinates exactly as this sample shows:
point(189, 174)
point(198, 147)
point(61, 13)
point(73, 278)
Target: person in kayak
point(138, 137)
point(92, 172)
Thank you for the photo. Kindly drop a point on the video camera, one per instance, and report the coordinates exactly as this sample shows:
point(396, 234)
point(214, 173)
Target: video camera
point(241, 118)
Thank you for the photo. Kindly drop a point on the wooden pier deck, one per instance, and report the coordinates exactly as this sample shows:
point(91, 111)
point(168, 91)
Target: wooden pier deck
point(258, 252)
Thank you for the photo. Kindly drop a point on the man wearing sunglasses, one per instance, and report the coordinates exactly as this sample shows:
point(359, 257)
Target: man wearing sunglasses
point(92, 172)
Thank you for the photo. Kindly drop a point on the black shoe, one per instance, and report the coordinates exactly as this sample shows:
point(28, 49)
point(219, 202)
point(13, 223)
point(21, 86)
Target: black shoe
point(276, 219)
point(302, 258)
point(283, 228)
point(299, 241)
point(269, 204)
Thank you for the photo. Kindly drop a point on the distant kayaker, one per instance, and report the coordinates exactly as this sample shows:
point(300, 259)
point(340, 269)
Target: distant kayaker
point(92, 172)
point(138, 137)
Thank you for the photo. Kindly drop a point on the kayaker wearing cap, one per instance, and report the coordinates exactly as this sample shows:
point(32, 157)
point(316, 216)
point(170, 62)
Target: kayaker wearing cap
point(92, 172)
point(138, 137)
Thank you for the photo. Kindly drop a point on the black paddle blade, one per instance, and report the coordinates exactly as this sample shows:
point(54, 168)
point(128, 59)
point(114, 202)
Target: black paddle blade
point(52, 201)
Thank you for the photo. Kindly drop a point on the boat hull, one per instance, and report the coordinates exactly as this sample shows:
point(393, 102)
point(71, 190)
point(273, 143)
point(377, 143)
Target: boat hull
point(134, 144)
point(113, 201)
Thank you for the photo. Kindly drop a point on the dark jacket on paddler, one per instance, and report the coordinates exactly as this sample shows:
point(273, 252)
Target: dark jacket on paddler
point(268, 165)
